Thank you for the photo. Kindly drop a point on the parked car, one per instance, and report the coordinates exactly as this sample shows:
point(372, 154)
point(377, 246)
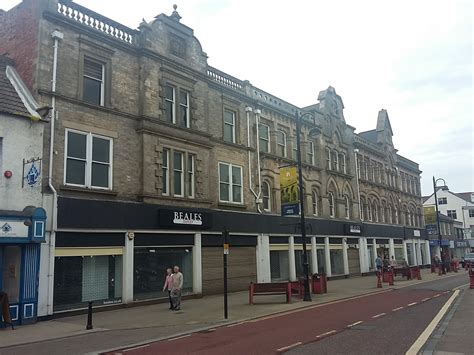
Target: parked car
point(469, 259)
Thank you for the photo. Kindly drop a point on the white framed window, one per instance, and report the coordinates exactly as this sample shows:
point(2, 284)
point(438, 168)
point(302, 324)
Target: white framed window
point(281, 143)
point(332, 212)
point(230, 183)
point(347, 207)
point(328, 158)
point(170, 113)
point(452, 214)
point(229, 126)
point(359, 166)
point(335, 160)
point(184, 119)
point(315, 203)
point(93, 81)
point(310, 153)
point(165, 189)
point(471, 213)
point(442, 201)
point(178, 174)
point(266, 196)
point(191, 175)
point(264, 137)
point(88, 160)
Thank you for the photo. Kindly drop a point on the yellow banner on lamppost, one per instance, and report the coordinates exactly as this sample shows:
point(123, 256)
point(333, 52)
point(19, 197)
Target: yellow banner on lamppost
point(430, 214)
point(289, 191)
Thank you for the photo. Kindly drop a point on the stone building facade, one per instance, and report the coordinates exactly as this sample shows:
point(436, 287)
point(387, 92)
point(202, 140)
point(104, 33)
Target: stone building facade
point(156, 152)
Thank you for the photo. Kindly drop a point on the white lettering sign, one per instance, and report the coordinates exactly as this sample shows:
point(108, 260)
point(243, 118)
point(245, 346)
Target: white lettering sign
point(416, 233)
point(189, 218)
point(355, 229)
point(13, 229)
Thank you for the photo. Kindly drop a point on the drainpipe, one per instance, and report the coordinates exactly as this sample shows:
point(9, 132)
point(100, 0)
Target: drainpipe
point(56, 35)
point(248, 109)
point(257, 123)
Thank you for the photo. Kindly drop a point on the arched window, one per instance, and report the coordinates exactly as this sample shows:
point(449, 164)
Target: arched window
point(383, 211)
point(331, 205)
point(315, 203)
point(267, 206)
point(395, 217)
point(390, 214)
point(375, 212)
point(361, 208)
point(347, 207)
point(342, 163)
point(335, 160)
point(369, 210)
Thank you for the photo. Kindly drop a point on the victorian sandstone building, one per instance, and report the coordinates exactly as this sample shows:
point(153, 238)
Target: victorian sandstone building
point(155, 153)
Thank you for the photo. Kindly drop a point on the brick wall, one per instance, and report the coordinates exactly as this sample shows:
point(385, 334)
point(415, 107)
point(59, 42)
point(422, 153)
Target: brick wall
point(20, 26)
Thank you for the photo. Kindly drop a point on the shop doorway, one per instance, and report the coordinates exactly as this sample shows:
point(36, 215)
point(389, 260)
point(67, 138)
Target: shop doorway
point(354, 261)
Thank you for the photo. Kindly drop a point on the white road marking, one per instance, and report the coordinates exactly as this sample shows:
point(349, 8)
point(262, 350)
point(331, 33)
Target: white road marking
point(325, 334)
point(353, 324)
point(379, 315)
point(135, 348)
point(289, 347)
point(418, 344)
point(425, 299)
point(397, 309)
point(181, 337)
point(459, 287)
point(437, 295)
point(412, 304)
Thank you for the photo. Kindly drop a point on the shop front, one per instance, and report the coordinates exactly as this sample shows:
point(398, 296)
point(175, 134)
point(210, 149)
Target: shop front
point(21, 234)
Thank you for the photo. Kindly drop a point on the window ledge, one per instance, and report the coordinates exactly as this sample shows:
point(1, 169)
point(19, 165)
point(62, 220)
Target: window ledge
point(232, 205)
point(88, 190)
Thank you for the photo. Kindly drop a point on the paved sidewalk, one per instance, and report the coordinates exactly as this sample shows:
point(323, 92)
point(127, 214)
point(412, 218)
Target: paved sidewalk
point(126, 326)
point(458, 336)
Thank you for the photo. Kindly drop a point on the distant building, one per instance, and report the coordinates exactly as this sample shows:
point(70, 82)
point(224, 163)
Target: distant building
point(156, 152)
point(22, 218)
point(458, 206)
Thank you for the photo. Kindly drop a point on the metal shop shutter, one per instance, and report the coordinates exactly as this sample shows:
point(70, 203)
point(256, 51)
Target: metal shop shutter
point(242, 269)
point(354, 261)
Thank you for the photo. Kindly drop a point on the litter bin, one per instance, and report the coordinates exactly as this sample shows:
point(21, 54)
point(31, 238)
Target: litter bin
point(319, 283)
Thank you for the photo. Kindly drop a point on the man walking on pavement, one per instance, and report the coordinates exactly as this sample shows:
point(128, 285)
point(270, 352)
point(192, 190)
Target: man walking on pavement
point(176, 288)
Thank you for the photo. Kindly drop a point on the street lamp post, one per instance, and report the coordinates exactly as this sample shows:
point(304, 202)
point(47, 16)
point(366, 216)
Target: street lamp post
point(307, 295)
point(435, 181)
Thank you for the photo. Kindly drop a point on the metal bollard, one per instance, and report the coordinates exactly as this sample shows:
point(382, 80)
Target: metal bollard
point(89, 317)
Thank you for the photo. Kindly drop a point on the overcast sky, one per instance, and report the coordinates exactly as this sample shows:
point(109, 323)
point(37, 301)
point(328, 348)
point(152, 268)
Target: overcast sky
point(413, 58)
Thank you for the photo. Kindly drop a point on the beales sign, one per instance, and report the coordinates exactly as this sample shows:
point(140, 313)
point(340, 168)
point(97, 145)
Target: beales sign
point(185, 219)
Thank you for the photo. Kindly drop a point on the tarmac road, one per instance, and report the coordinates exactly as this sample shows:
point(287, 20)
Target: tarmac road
point(384, 323)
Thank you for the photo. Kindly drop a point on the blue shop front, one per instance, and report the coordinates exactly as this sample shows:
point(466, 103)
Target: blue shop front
point(21, 233)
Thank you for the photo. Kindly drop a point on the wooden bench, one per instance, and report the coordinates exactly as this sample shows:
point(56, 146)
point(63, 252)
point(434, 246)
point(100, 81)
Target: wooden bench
point(403, 271)
point(270, 288)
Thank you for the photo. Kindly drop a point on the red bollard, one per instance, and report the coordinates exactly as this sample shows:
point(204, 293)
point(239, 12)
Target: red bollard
point(471, 278)
point(419, 273)
point(433, 268)
point(440, 270)
point(390, 278)
point(379, 280)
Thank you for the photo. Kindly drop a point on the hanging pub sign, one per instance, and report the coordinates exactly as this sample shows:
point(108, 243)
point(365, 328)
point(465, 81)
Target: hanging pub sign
point(289, 191)
point(31, 172)
point(185, 219)
point(431, 229)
